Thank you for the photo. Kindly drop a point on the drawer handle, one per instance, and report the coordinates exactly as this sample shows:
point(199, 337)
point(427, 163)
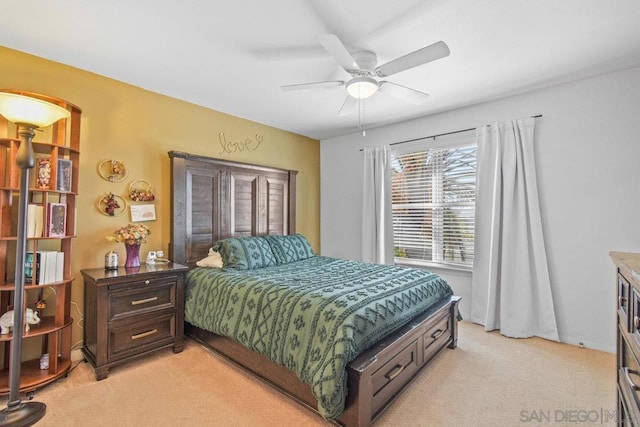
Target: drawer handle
point(146, 282)
point(397, 370)
point(143, 301)
point(627, 375)
point(437, 334)
point(622, 301)
point(144, 334)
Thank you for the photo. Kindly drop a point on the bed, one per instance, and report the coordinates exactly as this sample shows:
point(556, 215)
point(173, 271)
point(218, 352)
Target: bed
point(214, 199)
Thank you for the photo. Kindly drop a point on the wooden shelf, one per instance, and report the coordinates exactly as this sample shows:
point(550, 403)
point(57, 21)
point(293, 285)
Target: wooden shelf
point(59, 142)
point(10, 238)
point(46, 326)
point(27, 286)
point(32, 377)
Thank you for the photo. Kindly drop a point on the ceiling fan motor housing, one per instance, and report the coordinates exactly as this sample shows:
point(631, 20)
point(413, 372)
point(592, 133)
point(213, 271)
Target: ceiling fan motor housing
point(367, 62)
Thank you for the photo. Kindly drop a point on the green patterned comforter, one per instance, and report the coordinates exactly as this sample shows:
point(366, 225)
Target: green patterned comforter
point(312, 316)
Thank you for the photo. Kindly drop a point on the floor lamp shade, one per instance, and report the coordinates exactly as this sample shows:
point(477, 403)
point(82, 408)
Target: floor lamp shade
point(25, 110)
point(28, 113)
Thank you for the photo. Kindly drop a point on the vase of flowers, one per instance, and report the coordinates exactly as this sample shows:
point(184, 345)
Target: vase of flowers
point(132, 235)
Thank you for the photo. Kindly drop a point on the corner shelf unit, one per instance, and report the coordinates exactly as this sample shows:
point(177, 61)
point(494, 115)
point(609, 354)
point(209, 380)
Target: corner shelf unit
point(60, 141)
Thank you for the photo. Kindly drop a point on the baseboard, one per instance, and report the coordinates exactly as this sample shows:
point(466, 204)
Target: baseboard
point(594, 345)
point(76, 355)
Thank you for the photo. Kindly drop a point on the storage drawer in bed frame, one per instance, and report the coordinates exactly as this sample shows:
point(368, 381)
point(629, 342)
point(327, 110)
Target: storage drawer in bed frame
point(385, 371)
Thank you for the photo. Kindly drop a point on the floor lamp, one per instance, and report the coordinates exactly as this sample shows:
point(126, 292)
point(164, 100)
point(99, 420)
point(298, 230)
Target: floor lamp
point(28, 114)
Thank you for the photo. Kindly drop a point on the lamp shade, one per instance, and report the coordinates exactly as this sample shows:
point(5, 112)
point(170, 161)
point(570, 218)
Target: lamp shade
point(362, 87)
point(31, 111)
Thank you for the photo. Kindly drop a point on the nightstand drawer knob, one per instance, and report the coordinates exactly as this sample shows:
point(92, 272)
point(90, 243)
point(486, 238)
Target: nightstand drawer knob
point(143, 334)
point(146, 282)
point(143, 301)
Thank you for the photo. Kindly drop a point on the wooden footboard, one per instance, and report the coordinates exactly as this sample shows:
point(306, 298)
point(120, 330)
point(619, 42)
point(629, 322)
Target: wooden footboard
point(375, 377)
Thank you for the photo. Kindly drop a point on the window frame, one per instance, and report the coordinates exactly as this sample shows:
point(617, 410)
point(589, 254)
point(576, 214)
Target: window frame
point(463, 140)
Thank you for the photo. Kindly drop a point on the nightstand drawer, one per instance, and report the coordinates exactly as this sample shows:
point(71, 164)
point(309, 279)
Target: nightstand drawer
point(141, 299)
point(141, 336)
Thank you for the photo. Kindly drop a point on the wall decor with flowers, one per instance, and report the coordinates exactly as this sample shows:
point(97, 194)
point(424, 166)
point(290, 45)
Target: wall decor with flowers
point(112, 170)
point(112, 205)
point(141, 191)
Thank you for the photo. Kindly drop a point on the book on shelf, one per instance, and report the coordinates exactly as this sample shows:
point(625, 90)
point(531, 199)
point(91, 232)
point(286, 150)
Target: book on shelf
point(63, 178)
point(50, 262)
point(43, 173)
point(33, 267)
point(35, 220)
point(47, 266)
point(57, 220)
point(59, 266)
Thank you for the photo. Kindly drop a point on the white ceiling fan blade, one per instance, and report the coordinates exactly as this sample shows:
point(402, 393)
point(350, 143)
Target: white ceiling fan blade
point(402, 92)
point(313, 85)
point(349, 105)
point(335, 48)
point(421, 56)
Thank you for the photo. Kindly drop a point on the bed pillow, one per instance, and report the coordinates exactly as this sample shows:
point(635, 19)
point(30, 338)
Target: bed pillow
point(214, 259)
point(290, 248)
point(245, 253)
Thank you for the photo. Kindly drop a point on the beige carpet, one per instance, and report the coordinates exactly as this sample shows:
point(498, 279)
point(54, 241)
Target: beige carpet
point(488, 380)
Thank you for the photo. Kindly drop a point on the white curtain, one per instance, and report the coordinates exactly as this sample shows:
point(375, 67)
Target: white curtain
point(511, 290)
point(377, 224)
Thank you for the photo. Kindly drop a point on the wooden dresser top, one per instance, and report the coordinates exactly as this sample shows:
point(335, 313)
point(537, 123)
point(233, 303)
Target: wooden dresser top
point(629, 262)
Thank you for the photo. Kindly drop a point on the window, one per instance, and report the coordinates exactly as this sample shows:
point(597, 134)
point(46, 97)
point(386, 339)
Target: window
point(433, 200)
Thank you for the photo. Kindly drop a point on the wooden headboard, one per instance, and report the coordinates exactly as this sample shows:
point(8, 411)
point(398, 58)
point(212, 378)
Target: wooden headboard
point(214, 199)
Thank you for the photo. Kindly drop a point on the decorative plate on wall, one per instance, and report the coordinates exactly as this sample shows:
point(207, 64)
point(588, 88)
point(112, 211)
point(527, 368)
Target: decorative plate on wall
point(112, 170)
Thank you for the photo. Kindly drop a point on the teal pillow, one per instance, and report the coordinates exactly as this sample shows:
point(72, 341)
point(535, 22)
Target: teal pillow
point(289, 248)
point(245, 253)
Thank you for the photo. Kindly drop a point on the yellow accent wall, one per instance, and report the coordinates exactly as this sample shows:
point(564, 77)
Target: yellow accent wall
point(139, 127)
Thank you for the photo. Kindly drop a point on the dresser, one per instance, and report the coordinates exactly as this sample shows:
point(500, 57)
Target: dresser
point(131, 313)
point(628, 336)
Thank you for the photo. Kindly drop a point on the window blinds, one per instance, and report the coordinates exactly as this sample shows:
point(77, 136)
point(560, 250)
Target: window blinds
point(433, 204)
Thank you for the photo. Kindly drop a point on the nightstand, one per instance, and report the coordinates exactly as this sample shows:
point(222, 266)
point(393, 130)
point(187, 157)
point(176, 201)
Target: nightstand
point(130, 313)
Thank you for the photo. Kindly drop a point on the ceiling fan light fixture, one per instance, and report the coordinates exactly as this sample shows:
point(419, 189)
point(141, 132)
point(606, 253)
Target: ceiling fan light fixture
point(362, 87)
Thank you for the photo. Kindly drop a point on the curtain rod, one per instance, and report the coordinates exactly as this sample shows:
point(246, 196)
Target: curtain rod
point(443, 134)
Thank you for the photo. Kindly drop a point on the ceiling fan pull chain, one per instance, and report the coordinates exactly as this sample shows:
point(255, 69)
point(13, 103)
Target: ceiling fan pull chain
point(364, 131)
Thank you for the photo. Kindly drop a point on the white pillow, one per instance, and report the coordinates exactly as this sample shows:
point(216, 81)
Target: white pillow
point(213, 260)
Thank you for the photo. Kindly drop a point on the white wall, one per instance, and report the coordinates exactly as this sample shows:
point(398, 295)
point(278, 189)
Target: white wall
point(588, 157)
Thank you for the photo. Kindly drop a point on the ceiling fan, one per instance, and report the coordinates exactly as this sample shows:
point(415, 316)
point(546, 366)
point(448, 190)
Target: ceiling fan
point(364, 71)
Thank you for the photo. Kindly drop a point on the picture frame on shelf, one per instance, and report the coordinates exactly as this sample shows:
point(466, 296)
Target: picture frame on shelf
point(146, 212)
point(64, 175)
point(57, 224)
